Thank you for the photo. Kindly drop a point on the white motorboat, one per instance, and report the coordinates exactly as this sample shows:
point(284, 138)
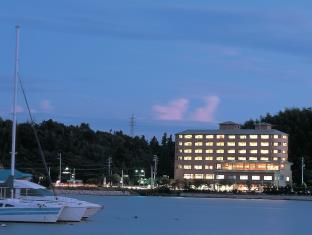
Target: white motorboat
point(74, 209)
point(15, 210)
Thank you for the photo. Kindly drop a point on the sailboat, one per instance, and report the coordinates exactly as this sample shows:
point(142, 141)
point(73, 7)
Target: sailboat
point(18, 210)
point(70, 209)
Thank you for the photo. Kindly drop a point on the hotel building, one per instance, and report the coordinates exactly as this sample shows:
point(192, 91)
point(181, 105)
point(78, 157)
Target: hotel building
point(233, 155)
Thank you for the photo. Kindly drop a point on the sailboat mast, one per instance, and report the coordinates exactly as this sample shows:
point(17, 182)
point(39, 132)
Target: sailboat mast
point(16, 74)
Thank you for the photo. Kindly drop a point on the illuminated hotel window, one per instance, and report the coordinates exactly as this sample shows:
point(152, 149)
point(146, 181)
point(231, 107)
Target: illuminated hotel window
point(231, 158)
point(283, 159)
point(220, 151)
point(187, 158)
point(254, 151)
point(187, 167)
point(243, 177)
point(188, 176)
point(242, 151)
point(265, 137)
point(199, 176)
point(180, 158)
point(284, 144)
point(253, 158)
point(275, 151)
point(264, 151)
point(220, 177)
point(275, 136)
point(198, 150)
point(231, 151)
point(243, 137)
point(180, 143)
point(232, 137)
point(198, 143)
point(188, 136)
point(220, 143)
point(209, 136)
point(255, 177)
point(198, 136)
point(282, 166)
point(209, 176)
point(218, 166)
point(220, 136)
point(264, 159)
point(187, 150)
point(253, 136)
point(272, 167)
point(209, 143)
point(179, 166)
point(242, 158)
point(267, 177)
point(284, 136)
point(230, 143)
point(198, 158)
point(180, 151)
point(284, 151)
point(208, 158)
point(209, 150)
point(253, 144)
point(275, 158)
point(208, 167)
point(187, 143)
point(180, 136)
point(198, 167)
point(275, 144)
point(219, 158)
point(241, 143)
point(264, 143)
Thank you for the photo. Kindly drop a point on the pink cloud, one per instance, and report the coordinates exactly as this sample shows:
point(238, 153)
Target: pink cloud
point(173, 111)
point(206, 113)
point(46, 106)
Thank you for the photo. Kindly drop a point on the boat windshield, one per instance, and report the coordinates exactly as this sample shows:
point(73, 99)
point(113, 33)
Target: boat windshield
point(36, 192)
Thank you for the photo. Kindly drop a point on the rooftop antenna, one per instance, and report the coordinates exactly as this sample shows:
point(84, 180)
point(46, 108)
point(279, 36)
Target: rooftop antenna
point(132, 125)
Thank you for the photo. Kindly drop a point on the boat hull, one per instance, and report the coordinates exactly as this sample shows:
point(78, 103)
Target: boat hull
point(72, 214)
point(36, 215)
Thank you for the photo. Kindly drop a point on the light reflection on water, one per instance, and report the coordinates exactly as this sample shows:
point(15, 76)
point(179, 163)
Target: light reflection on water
point(170, 215)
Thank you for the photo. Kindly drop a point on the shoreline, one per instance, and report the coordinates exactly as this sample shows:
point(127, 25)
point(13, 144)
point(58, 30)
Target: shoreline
point(182, 194)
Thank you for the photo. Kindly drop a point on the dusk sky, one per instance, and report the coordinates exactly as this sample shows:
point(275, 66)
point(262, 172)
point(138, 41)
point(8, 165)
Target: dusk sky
point(174, 64)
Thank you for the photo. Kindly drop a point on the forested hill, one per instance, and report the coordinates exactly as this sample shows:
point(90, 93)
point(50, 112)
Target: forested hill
point(85, 150)
point(298, 124)
point(88, 151)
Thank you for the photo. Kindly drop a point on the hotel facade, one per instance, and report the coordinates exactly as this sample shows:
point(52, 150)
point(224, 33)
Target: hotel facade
point(234, 156)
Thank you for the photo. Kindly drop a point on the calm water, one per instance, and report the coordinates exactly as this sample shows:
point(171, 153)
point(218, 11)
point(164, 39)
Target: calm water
point(160, 215)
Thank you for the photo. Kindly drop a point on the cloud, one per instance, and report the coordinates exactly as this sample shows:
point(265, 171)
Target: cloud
point(173, 111)
point(206, 113)
point(46, 106)
point(19, 109)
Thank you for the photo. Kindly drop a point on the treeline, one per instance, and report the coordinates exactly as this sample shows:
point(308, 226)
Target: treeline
point(88, 151)
point(85, 150)
point(298, 124)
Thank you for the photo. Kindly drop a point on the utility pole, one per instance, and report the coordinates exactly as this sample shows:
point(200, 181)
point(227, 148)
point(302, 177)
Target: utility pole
point(109, 165)
point(132, 125)
point(152, 178)
point(302, 167)
point(60, 172)
point(155, 159)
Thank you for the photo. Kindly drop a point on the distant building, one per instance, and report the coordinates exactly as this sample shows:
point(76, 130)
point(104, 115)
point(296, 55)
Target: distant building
point(234, 156)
